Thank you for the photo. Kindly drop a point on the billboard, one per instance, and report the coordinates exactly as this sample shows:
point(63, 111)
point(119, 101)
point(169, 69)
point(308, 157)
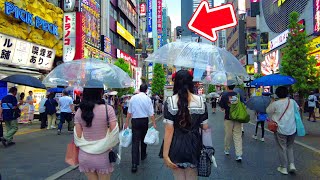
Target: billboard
point(316, 16)
point(91, 15)
point(242, 7)
point(159, 16)
point(149, 16)
point(143, 9)
point(69, 36)
point(125, 34)
point(271, 63)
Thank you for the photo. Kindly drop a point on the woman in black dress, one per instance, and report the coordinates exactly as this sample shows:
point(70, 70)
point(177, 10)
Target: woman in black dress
point(214, 104)
point(184, 114)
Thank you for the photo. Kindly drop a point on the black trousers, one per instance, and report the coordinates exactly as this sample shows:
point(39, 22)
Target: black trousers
point(43, 119)
point(139, 131)
point(1, 129)
point(262, 128)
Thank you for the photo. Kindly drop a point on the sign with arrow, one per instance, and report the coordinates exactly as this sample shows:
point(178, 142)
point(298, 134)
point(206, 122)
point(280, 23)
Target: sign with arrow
point(206, 22)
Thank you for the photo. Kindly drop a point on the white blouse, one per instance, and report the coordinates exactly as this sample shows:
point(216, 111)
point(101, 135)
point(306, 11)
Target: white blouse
point(287, 124)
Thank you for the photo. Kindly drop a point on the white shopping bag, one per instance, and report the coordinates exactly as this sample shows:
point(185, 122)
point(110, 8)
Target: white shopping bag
point(125, 137)
point(152, 137)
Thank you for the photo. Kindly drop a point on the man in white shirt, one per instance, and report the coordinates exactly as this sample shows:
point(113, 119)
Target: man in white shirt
point(42, 111)
point(140, 108)
point(66, 109)
point(312, 100)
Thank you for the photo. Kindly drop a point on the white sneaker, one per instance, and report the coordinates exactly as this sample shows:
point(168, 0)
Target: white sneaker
point(292, 168)
point(226, 153)
point(254, 137)
point(262, 139)
point(283, 170)
point(48, 128)
point(239, 158)
point(53, 127)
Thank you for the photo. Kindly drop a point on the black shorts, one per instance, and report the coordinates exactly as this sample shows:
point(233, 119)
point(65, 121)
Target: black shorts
point(214, 105)
point(311, 109)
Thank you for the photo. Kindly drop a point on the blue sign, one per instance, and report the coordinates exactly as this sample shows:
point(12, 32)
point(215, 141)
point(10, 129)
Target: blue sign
point(27, 17)
point(149, 16)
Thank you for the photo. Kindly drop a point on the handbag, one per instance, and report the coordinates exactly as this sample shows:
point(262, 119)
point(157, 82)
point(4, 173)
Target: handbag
point(205, 161)
point(72, 154)
point(238, 112)
point(300, 127)
point(273, 125)
point(112, 154)
point(16, 112)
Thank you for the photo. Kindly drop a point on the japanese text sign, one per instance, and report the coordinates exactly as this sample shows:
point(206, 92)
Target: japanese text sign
point(159, 16)
point(149, 18)
point(69, 36)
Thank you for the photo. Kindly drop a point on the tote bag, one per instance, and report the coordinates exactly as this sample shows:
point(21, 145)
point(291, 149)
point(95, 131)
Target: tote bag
point(300, 127)
point(72, 154)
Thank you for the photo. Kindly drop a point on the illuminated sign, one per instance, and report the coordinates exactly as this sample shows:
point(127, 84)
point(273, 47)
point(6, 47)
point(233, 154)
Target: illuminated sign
point(91, 15)
point(69, 36)
point(143, 9)
point(25, 54)
point(242, 7)
point(316, 16)
point(69, 5)
point(279, 40)
point(159, 16)
point(149, 18)
point(250, 69)
point(127, 57)
point(28, 18)
point(314, 45)
point(125, 34)
point(107, 45)
point(280, 2)
point(271, 63)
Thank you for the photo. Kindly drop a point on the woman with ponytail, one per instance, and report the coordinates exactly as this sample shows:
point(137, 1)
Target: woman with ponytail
point(184, 114)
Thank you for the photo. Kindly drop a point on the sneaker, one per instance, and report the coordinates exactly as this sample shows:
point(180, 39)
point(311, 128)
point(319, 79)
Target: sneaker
point(292, 168)
point(239, 158)
point(283, 170)
point(59, 132)
point(4, 142)
point(262, 139)
point(254, 137)
point(48, 128)
point(53, 127)
point(226, 153)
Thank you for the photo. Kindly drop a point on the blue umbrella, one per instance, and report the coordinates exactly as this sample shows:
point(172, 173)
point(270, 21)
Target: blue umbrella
point(258, 103)
point(273, 80)
point(24, 80)
point(55, 90)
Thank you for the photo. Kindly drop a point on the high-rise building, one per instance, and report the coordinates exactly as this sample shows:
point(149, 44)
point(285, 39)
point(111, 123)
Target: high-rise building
point(187, 9)
point(222, 39)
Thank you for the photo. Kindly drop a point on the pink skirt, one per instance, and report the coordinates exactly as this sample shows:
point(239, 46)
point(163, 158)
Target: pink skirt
point(98, 163)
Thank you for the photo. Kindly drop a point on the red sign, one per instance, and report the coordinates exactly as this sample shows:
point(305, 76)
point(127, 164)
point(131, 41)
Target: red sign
point(206, 22)
point(143, 9)
point(126, 57)
point(80, 36)
point(159, 16)
point(316, 16)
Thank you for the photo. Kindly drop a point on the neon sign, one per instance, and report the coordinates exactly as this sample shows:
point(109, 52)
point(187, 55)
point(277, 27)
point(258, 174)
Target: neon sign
point(28, 18)
point(316, 16)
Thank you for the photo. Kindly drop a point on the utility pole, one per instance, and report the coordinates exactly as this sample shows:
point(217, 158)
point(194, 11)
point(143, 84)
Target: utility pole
point(258, 43)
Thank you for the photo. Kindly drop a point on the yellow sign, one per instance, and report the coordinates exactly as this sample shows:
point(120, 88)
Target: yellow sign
point(314, 45)
point(250, 69)
point(280, 2)
point(125, 34)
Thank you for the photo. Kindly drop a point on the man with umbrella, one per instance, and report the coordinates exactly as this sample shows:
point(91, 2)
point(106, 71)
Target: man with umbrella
point(9, 105)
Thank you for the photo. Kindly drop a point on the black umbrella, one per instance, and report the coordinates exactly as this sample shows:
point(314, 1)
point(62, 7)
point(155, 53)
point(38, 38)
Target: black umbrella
point(259, 103)
point(24, 80)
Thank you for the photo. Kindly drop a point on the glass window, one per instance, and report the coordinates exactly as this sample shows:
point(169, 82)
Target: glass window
point(129, 28)
point(122, 21)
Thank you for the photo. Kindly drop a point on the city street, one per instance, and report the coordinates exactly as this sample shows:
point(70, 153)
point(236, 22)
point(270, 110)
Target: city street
point(40, 154)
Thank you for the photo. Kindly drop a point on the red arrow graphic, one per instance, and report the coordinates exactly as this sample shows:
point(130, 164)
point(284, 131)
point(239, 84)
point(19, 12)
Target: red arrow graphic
point(206, 22)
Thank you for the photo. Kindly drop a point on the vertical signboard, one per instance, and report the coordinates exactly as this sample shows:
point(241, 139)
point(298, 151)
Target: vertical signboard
point(316, 16)
point(143, 9)
point(159, 16)
point(149, 19)
point(69, 36)
point(242, 7)
point(80, 36)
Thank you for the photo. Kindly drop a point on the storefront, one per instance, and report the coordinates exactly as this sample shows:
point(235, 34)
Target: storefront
point(133, 65)
point(30, 40)
point(315, 50)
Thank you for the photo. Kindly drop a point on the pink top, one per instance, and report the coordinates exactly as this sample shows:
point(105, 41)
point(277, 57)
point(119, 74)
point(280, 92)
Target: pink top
point(95, 162)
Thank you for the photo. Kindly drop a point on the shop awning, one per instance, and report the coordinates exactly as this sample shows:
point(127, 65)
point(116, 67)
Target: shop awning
point(7, 71)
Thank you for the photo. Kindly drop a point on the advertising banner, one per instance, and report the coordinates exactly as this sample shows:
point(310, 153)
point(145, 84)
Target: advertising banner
point(159, 16)
point(279, 40)
point(80, 36)
point(143, 9)
point(127, 57)
point(314, 45)
point(316, 16)
point(25, 54)
point(69, 36)
point(242, 7)
point(271, 63)
point(125, 34)
point(149, 14)
point(91, 15)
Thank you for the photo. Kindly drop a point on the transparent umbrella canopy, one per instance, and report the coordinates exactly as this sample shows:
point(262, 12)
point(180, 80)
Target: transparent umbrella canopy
point(79, 73)
point(223, 78)
point(198, 55)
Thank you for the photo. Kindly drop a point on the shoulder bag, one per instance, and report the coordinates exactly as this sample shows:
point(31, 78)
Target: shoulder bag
point(16, 111)
point(273, 125)
point(205, 161)
point(112, 155)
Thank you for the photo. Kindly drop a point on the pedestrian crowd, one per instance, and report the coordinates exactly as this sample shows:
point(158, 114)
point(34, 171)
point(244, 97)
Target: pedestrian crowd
point(185, 118)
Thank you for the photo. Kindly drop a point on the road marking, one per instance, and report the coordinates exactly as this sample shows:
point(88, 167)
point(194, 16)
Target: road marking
point(61, 173)
point(19, 133)
point(296, 141)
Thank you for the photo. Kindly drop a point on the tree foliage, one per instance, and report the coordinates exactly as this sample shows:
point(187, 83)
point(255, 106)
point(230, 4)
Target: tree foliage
point(158, 80)
point(295, 61)
point(211, 88)
point(122, 64)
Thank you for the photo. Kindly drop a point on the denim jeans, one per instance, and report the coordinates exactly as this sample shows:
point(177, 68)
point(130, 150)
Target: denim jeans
point(64, 116)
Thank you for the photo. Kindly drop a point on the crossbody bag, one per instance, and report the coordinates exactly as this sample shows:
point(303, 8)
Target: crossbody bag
point(273, 125)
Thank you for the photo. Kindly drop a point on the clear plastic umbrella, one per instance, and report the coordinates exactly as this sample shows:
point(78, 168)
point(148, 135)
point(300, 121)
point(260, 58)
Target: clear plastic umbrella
point(79, 73)
point(223, 78)
point(198, 55)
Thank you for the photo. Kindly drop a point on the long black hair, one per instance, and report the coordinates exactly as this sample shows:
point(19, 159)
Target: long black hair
point(91, 97)
point(182, 84)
